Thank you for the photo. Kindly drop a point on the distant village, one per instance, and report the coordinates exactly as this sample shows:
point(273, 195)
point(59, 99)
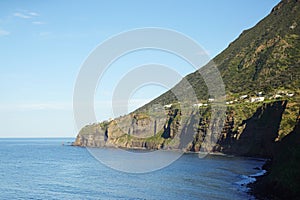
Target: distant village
point(259, 97)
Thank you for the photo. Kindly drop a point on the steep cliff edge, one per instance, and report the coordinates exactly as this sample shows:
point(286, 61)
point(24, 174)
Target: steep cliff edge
point(259, 132)
point(282, 180)
point(132, 131)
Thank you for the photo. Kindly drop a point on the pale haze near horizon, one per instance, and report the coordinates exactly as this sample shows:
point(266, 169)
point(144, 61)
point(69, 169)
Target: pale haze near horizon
point(43, 46)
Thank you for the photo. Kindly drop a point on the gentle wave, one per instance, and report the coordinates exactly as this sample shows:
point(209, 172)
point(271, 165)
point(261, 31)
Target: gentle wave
point(246, 180)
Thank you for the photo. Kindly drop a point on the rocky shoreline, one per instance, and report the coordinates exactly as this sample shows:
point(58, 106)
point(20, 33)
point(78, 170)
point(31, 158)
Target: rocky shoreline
point(282, 180)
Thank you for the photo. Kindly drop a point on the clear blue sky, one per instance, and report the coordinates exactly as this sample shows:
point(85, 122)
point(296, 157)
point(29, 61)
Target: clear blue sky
point(44, 43)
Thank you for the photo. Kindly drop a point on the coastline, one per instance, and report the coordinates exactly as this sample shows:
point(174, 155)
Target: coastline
point(254, 187)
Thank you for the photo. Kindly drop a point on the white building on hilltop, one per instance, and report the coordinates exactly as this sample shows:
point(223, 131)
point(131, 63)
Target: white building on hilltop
point(168, 106)
point(211, 100)
point(198, 105)
point(257, 99)
point(243, 96)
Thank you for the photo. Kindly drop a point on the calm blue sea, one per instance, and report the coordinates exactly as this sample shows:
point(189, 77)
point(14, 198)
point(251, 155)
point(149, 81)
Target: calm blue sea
point(46, 169)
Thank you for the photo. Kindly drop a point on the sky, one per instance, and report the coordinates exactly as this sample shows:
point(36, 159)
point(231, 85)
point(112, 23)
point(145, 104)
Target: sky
point(43, 45)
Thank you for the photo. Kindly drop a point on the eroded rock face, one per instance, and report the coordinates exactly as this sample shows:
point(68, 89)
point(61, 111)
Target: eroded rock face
point(130, 131)
point(257, 134)
point(138, 125)
point(251, 136)
point(91, 136)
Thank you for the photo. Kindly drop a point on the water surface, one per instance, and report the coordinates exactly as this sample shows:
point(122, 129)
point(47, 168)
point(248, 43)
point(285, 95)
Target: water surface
point(46, 169)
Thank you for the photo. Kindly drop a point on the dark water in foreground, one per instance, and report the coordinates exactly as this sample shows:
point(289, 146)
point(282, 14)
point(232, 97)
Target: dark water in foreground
point(44, 169)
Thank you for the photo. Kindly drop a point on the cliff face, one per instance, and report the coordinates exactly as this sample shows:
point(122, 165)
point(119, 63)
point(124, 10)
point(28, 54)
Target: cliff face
point(283, 171)
point(254, 134)
point(132, 131)
point(259, 132)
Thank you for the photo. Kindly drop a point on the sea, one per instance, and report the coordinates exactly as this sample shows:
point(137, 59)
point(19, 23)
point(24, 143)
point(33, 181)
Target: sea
point(53, 169)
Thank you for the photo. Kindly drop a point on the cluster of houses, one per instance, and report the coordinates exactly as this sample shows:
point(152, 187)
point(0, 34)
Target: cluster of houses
point(246, 98)
point(281, 94)
point(260, 97)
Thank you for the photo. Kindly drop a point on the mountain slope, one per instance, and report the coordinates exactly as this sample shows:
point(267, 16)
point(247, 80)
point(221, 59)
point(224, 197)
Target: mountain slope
point(264, 58)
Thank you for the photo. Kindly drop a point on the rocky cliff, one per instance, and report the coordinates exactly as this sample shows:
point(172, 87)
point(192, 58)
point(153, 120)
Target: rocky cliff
point(282, 180)
point(250, 129)
point(132, 131)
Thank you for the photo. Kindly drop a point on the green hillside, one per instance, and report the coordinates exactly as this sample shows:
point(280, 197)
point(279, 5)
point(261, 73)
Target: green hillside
point(264, 58)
